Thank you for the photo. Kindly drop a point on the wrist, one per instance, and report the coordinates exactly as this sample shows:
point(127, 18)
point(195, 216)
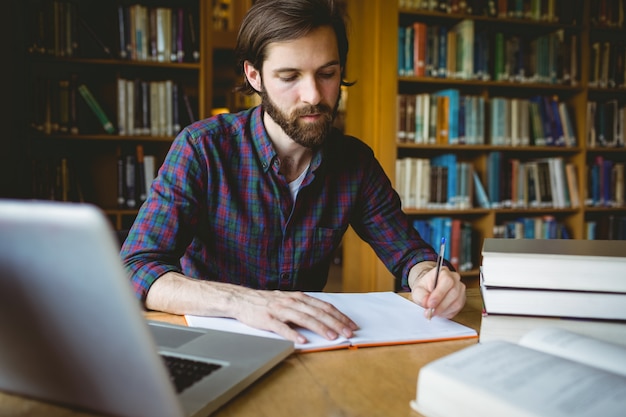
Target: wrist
point(418, 271)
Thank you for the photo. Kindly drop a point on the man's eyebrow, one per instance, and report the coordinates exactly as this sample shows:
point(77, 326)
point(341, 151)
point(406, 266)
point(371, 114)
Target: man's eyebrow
point(289, 69)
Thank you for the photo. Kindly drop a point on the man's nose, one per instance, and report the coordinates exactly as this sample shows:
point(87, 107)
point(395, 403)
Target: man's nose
point(310, 91)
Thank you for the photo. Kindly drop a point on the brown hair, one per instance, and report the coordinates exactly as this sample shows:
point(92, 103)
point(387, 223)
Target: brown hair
point(270, 21)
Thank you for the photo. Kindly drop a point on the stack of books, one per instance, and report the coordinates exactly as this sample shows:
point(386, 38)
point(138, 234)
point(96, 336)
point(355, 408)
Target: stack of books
point(578, 285)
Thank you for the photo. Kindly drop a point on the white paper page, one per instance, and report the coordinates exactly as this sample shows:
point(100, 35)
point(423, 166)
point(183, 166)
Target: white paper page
point(574, 346)
point(383, 317)
point(231, 325)
point(503, 379)
point(386, 317)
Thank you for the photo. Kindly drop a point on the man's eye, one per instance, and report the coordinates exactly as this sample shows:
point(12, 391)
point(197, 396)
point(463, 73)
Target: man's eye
point(288, 78)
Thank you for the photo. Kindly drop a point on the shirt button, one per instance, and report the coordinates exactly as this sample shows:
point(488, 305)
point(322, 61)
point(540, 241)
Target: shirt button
point(284, 276)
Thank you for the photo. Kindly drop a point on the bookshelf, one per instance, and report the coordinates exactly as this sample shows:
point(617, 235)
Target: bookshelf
point(376, 63)
point(146, 95)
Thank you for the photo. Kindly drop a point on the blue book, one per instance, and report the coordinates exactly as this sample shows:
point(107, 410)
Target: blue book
point(401, 58)
point(409, 68)
point(480, 193)
point(529, 227)
point(557, 123)
point(423, 228)
point(494, 172)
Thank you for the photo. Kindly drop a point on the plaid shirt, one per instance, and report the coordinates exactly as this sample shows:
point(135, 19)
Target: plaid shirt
point(219, 210)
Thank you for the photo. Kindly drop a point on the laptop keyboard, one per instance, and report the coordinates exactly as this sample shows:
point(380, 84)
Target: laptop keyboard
point(186, 372)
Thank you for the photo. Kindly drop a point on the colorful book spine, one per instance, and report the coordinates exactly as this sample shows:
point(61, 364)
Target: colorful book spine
point(96, 108)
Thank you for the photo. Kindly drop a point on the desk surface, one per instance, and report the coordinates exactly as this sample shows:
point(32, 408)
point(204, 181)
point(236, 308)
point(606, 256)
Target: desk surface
point(378, 381)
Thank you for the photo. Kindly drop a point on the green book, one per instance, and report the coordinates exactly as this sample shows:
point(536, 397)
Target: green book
point(96, 108)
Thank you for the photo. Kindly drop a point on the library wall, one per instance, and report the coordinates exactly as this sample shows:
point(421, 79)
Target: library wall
point(522, 100)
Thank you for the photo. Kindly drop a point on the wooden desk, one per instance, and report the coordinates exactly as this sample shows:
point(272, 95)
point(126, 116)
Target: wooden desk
point(368, 382)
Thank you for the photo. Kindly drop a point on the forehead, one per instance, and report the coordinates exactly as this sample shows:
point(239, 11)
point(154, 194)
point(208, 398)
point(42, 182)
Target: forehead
point(313, 50)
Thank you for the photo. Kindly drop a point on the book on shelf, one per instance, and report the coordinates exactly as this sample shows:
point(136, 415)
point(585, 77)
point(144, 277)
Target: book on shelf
point(480, 194)
point(135, 173)
point(92, 33)
point(381, 316)
point(57, 178)
point(157, 33)
point(536, 183)
point(96, 108)
point(511, 327)
point(612, 227)
point(457, 232)
point(531, 378)
point(148, 107)
point(140, 168)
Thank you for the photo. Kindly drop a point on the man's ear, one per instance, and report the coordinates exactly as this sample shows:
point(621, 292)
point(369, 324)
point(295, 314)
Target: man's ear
point(253, 75)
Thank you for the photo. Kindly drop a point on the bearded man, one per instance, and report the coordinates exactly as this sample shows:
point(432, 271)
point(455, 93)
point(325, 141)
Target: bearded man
point(248, 208)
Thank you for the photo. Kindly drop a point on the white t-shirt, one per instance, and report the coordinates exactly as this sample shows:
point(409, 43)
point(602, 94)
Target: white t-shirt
point(294, 186)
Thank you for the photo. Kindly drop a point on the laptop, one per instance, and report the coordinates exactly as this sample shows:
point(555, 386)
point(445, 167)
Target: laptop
point(73, 333)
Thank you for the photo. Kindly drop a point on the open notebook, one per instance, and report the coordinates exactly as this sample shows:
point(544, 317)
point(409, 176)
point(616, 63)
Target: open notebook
point(384, 318)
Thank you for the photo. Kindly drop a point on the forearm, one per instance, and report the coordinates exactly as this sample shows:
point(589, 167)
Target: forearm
point(268, 310)
point(176, 293)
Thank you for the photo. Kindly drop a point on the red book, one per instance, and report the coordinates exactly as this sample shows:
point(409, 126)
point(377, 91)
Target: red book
point(455, 243)
point(419, 48)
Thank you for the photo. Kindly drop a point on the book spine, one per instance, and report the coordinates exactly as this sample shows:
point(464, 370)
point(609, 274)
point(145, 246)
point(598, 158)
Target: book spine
point(96, 108)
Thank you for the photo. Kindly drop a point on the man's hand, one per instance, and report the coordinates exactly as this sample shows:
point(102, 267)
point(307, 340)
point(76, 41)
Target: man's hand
point(446, 300)
point(276, 311)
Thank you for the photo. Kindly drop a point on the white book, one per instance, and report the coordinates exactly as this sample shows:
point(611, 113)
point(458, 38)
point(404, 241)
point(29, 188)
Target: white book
point(425, 118)
point(550, 373)
point(424, 186)
point(565, 264)
point(149, 166)
point(121, 106)
point(130, 107)
point(554, 303)
point(511, 327)
point(155, 104)
point(169, 112)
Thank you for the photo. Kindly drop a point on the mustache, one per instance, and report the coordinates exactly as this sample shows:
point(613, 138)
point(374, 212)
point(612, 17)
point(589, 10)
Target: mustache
point(322, 109)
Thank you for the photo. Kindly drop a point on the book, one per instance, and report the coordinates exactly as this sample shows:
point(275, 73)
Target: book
point(480, 194)
point(384, 318)
point(511, 327)
point(551, 372)
point(565, 264)
point(149, 166)
point(96, 108)
point(142, 190)
point(553, 303)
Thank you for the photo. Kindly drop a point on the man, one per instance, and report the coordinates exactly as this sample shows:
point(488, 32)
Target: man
point(248, 208)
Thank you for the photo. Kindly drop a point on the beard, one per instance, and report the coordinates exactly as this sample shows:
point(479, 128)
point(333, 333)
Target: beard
point(308, 134)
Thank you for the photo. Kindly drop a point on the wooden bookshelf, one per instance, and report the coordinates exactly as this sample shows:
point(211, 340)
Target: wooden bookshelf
point(372, 116)
point(205, 81)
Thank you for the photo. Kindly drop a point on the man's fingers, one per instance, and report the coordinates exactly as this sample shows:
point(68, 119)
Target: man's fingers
point(445, 300)
point(280, 312)
point(313, 314)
